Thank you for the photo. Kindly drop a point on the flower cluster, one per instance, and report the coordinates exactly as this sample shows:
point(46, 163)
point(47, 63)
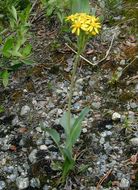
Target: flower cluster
point(83, 22)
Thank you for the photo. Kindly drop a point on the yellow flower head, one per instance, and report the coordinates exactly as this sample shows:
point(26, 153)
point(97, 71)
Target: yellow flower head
point(83, 22)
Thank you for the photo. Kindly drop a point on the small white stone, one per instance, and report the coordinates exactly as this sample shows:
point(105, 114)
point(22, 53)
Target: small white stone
point(124, 184)
point(116, 116)
point(22, 183)
point(84, 130)
point(134, 141)
point(25, 109)
point(60, 111)
point(102, 140)
point(122, 62)
point(43, 147)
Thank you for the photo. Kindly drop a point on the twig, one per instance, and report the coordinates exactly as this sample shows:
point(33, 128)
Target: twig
point(103, 178)
point(93, 64)
point(33, 5)
point(108, 51)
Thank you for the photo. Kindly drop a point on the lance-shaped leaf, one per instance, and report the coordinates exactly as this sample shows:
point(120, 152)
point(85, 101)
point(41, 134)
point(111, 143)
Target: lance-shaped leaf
point(64, 123)
point(54, 135)
point(5, 78)
point(76, 128)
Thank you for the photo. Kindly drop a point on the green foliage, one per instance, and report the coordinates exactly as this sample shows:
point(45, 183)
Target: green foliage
point(80, 6)
point(15, 48)
point(56, 7)
point(5, 6)
point(71, 137)
point(111, 8)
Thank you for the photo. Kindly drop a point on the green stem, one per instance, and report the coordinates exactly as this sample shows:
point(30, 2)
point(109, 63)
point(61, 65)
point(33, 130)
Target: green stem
point(71, 88)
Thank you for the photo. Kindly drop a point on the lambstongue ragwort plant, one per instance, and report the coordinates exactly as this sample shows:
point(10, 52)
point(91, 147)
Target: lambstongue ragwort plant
point(84, 26)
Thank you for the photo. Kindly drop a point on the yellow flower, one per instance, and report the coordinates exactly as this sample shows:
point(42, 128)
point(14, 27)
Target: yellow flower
point(76, 27)
point(72, 17)
point(83, 22)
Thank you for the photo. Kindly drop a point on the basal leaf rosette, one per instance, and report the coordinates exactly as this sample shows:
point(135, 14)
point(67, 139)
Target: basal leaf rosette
point(81, 22)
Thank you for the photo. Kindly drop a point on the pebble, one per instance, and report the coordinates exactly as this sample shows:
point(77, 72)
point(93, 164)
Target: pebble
point(32, 156)
point(25, 110)
point(134, 141)
point(124, 184)
point(109, 126)
point(96, 105)
point(15, 121)
point(133, 105)
point(136, 88)
point(35, 182)
point(122, 62)
point(43, 147)
point(46, 187)
point(116, 116)
point(2, 185)
point(22, 183)
point(84, 130)
point(102, 140)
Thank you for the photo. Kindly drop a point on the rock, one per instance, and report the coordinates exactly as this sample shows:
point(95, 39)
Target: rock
point(96, 105)
point(15, 121)
point(46, 187)
point(32, 156)
point(2, 185)
point(109, 126)
point(136, 88)
point(133, 105)
point(116, 116)
point(35, 182)
point(22, 183)
point(25, 110)
point(134, 141)
point(43, 147)
point(124, 184)
point(122, 62)
point(84, 130)
point(102, 140)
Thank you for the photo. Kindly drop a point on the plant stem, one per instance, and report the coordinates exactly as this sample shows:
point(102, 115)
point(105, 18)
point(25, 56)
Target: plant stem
point(77, 58)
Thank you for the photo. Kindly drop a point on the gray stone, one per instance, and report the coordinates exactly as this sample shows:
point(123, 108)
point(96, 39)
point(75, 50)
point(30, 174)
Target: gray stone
point(22, 183)
point(43, 147)
point(134, 141)
point(102, 140)
point(136, 88)
point(122, 62)
point(96, 105)
point(124, 184)
point(25, 110)
point(133, 105)
point(35, 182)
point(32, 156)
point(116, 116)
point(46, 187)
point(2, 185)
point(84, 130)
point(109, 126)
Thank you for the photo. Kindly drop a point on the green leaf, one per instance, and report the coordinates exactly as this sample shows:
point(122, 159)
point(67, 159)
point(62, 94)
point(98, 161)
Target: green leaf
point(14, 12)
point(80, 6)
point(1, 109)
point(27, 61)
point(7, 47)
point(5, 78)
point(76, 128)
point(68, 164)
point(54, 135)
point(16, 53)
point(64, 122)
point(27, 50)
